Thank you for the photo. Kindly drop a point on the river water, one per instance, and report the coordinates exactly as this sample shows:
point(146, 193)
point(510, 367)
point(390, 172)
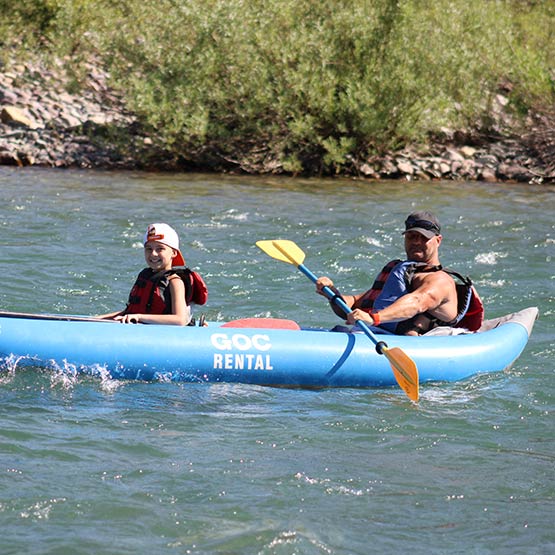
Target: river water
point(90, 466)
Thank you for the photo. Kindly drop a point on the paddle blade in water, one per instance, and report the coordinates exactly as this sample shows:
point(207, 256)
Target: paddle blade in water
point(405, 371)
point(282, 249)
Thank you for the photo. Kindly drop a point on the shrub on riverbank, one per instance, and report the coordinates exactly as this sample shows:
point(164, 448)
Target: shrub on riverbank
point(301, 85)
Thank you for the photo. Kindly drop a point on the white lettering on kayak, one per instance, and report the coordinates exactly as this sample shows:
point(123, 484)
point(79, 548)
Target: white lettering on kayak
point(242, 360)
point(240, 341)
point(230, 361)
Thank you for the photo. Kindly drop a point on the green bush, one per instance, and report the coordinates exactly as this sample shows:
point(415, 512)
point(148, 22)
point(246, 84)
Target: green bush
point(307, 84)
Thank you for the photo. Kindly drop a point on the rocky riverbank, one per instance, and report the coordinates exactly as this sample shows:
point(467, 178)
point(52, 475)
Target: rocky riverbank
point(42, 124)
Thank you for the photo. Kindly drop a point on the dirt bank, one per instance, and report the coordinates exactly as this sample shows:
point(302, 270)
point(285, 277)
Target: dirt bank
point(43, 124)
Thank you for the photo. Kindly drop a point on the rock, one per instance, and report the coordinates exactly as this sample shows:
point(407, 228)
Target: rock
point(444, 168)
point(501, 100)
point(8, 158)
point(514, 172)
point(388, 169)
point(488, 175)
point(405, 167)
point(468, 168)
point(422, 175)
point(456, 166)
point(8, 97)
point(67, 120)
point(453, 155)
point(25, 158)
point(468, 151)
point(368, 171)
point(489, 160)
point(12, 115)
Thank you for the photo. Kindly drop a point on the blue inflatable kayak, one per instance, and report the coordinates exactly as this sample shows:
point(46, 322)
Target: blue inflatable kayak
point(265, 352)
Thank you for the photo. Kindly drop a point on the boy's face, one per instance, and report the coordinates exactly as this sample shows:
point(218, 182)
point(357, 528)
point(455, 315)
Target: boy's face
point(159, 256)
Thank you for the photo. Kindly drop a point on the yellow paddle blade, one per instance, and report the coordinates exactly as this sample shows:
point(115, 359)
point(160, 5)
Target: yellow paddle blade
point(284, 250)
point(404, 369)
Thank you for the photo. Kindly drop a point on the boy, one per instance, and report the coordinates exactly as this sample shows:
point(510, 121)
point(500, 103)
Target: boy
point(162, 292)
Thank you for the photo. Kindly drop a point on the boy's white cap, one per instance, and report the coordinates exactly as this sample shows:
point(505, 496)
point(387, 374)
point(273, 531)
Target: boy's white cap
point(163, 233)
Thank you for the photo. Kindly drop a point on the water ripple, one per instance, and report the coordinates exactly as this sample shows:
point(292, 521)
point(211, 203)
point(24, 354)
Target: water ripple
point(227, 468)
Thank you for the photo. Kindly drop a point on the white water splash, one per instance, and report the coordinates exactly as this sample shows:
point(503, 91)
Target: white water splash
point(489, 258)
point(374, 242)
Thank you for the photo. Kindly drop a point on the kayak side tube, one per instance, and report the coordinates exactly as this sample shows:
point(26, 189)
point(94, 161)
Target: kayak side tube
point(277, 357)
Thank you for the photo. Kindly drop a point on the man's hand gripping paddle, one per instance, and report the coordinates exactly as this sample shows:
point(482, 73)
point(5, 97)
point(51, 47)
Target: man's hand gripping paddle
point(404, 368)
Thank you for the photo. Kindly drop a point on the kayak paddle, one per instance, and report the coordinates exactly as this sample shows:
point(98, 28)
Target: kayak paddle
point(404, 368)
point(62, 317)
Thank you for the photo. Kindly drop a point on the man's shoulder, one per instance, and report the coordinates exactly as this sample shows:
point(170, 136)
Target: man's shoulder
point(435, 276)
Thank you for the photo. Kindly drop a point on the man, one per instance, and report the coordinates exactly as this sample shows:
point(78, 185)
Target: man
point(413, 296)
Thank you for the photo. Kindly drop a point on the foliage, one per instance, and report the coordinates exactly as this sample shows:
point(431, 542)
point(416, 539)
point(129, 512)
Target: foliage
point(306, 84)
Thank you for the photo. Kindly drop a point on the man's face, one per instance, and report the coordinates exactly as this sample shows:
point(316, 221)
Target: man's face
point(419, 248)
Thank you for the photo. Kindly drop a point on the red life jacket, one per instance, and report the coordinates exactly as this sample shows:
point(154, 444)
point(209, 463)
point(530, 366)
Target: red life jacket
point(151, 292)
point(470, 310)
point(366, 302)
